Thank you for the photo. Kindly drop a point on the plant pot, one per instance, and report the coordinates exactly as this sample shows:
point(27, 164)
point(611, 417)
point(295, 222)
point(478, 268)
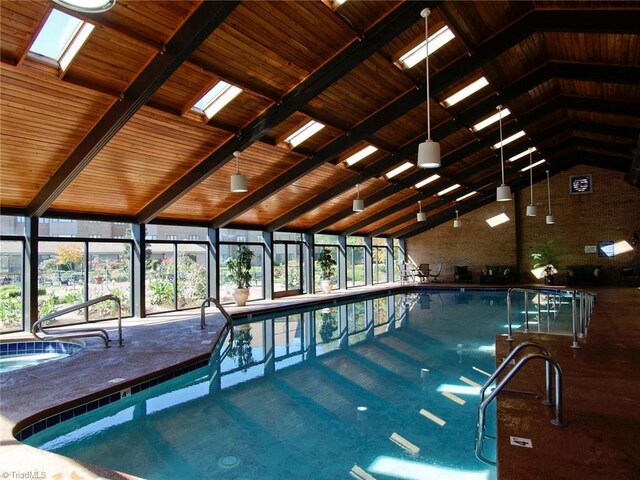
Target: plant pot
point(327, 286)
point(240, 295)
point(549, 280)
point(99, 279)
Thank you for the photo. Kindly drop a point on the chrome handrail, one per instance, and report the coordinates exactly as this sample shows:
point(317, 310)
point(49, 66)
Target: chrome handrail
point(557, 421)
point(79, 332)
point(581, 314)
point(229, 320)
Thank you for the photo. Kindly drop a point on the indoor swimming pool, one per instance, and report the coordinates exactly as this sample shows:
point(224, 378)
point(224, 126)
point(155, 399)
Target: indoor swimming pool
point(385, 387)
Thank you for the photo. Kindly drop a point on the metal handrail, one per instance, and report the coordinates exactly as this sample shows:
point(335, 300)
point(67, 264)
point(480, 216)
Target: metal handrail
point(581, 315)
point(229, 320)
point(557, 421)
point(79, 332)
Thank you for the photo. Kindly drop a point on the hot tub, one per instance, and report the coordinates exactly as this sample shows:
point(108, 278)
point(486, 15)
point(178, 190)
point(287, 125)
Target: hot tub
point(15, 355)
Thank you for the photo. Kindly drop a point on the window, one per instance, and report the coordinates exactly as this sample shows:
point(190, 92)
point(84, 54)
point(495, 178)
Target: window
point(427, 181)
point(194, 237)
point(151, 237)
point(528, 167)
point(522, 154)
point(172, 237)
point(359, 155)
point(490, 120)
point(497, 220)
point(464, 197)
point(418, 53)
point(216, 98)
point(466, 91)
point(449, 189)
point(303, 133)
point(61, 38)
point(508, 140)
point(398, 170)
point(95, 235)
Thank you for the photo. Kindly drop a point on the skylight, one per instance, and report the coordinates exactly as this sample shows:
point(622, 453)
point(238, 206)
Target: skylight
point(215, 99)
point(466, 91)
point(523, 154)
point(300, 135)
point(464, 197)
point(453, 187)
point(539, 162)
point(399, 170)
point(365, 152)
point(61, 38)
point(417, 53)
point(490, 120)
point(427, 181)
point(510, 139)
point(497, 220)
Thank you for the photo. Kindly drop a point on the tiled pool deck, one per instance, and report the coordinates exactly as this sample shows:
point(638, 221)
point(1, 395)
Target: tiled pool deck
point(601, 383)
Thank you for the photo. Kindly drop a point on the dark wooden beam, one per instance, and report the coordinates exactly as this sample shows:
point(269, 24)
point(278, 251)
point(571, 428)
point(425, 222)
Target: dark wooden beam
point(193, 32)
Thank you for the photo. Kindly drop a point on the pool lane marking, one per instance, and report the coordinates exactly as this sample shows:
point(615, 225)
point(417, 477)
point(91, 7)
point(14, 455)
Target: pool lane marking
point(359, 473)
point(454, 398)
point(470, 382)
point(404, 444)
point(432, 417)
point(481, 371)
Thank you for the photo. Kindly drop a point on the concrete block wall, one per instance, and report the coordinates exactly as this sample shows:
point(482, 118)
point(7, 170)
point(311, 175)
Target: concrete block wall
point(610, 213)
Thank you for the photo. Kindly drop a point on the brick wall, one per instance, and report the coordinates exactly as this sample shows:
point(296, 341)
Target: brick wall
point(610, 213)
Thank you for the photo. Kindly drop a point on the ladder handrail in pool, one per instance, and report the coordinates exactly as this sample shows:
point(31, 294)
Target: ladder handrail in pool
point(557, 421)
point(580, 313)
point(225, 314)
point(39, 327)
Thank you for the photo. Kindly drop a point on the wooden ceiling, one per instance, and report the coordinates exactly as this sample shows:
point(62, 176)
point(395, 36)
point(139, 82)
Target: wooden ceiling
point(114, 138)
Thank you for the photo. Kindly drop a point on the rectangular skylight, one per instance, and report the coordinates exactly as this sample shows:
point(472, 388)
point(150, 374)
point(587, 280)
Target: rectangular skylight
point(523, 154)
point(215, 99)
point(365, 152)
point(539, 162)
point(418, 53)
point(497, 220)
point(61, 38)
point(300, 135)
point(510, 139)
point(427, 181)
point(490, 120)
point(399, 170)
point(453, 187)
point(464, 197)
point(466, 91)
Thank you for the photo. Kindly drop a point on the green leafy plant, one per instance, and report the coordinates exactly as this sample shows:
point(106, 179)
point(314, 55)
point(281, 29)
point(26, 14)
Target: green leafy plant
point(327, 264)
point(239, 265)
point(241, 349)
point(545, 254)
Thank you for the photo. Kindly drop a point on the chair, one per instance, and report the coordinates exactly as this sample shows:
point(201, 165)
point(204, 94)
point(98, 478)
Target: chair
point(461, 273)
point(433, 277)
point(405, 275)
point(423, 272)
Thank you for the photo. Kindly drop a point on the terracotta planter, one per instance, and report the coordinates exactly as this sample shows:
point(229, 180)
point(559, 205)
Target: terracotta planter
point(240, 295)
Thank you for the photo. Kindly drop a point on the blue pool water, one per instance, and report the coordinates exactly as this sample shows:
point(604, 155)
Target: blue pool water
point(386, 386)
point(16, 355)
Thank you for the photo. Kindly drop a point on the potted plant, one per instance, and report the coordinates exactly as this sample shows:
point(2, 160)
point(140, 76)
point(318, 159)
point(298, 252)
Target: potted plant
point(327, 270)
point(239, 265)
point(546, 259)
point(241, 349)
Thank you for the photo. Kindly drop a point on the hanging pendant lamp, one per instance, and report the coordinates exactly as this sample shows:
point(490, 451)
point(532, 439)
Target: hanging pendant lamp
point(421, 216)
point(358, 203)
point(238, 181)
point(550, 220)
point(457, 223)
point(503, 192)
point(531, 208)
point(428, 151)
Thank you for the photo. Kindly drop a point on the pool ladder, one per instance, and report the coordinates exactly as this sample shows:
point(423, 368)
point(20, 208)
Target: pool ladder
point(39, 328)
point(225, 314)
point(484, 402)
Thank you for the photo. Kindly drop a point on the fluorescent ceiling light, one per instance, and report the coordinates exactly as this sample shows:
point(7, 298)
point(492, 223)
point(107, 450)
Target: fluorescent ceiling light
point(492, 119)
point(464, 197)
point(216, 98)
point(300, 135)
point(528, 167)
point(365, 152)
point(510, 139)
point(399, 170)
point(417, 53)
point(466, 91)
point(497, 220)
point(523, 154)
point(449, 189)
point(427, 181)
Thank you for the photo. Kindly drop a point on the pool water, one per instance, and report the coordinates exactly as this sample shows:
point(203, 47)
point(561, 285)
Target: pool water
point(16, 355)
point(386, 387)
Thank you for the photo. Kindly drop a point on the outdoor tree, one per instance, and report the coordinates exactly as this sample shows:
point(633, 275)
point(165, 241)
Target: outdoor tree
point(68, 254)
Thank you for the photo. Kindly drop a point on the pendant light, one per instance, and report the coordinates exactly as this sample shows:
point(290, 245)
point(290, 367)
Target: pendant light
point(531, 208)
point(428, 151)
point(238, 181)
point(358, 203)
point(457, 223)
point(550, 220)
point(421, 216)
point(503, 193)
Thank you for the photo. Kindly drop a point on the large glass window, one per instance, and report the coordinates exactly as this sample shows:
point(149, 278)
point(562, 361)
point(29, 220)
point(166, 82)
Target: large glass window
point(192, 275)
point(397, 258)
point(110, 274)
point(317, 277)
point(355, 262)
point(256, 288)
point(11, 285)
point(160, 285)
point(379, 256)
point(327, 326)
point(287, 268)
